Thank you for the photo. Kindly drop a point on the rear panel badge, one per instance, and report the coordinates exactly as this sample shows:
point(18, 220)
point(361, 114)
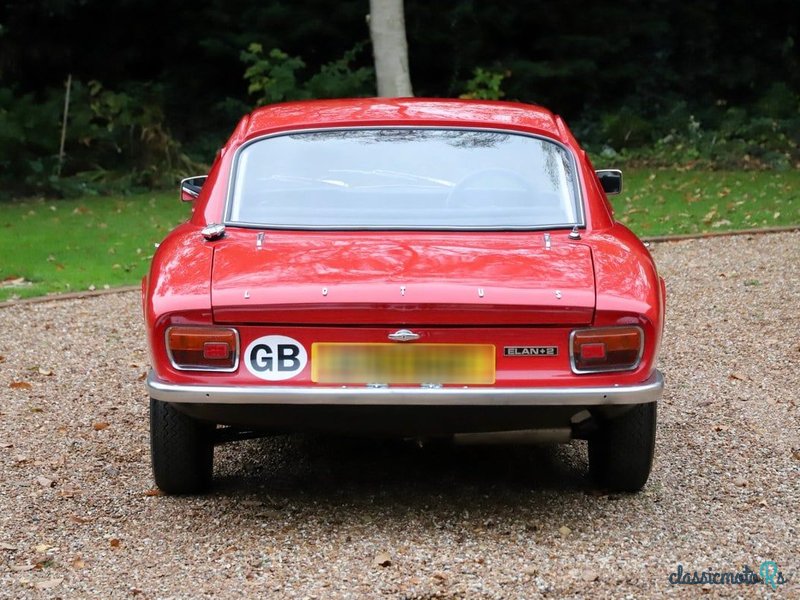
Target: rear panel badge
point(530, 351)
point(275, 357)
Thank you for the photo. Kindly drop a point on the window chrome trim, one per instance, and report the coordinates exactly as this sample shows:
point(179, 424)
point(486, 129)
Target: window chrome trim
point(608, 369)
point(649, 390)
point(175, 365)
point(228, 208)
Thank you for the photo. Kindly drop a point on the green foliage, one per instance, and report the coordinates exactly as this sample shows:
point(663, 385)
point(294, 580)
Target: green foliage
point(765, 136)
point(485, 85)
point(116, 141)
point(274, 77)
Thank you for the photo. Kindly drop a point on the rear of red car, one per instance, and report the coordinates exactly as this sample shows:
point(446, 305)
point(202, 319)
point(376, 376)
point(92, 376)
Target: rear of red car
point(412, 279)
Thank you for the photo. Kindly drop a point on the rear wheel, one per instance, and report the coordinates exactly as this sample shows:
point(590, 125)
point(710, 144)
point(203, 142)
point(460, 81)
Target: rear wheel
point(621, 451)
point(182, 450)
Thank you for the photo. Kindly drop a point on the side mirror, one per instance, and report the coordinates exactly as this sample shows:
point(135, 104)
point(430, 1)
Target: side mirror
point(191, 186)
point(611, 180)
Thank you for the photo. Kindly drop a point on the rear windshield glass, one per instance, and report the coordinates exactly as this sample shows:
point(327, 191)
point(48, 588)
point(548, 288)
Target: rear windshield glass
point(404, 179)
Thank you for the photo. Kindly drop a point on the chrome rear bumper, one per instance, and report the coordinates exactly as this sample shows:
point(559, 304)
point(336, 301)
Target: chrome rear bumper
point(648, 391)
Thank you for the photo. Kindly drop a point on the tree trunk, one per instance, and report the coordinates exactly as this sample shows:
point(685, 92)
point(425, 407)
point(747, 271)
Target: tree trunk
point(387, 29)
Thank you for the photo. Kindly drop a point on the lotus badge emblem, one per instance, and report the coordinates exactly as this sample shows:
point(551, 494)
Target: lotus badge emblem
point(403, 335)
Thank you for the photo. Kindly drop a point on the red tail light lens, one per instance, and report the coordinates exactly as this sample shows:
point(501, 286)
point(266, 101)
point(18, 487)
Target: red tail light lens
point(203, 348)
point(606, 349)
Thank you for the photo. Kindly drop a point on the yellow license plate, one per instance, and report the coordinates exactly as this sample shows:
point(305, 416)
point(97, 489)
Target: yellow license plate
point(466, 364)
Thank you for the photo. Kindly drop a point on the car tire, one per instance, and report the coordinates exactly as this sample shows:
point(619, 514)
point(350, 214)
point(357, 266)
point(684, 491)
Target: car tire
point(621, 451)
point(181, 449)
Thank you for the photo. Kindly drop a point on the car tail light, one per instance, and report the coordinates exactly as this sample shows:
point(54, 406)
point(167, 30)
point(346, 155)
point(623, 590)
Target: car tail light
point(203, 348)
point(606, 349)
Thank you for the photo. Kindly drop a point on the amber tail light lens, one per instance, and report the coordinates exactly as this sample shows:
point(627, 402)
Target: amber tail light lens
point(203, 348)
point(606, 349)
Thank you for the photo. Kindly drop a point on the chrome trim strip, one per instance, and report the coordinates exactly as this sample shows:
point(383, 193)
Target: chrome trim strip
point(580, 200)
point(648, 391)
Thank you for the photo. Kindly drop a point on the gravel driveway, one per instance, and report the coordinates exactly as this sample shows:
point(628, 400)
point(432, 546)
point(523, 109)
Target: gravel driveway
point(318, 517)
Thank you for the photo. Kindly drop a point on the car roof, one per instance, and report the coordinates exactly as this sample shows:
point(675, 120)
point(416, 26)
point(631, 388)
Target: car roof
point(313, 114)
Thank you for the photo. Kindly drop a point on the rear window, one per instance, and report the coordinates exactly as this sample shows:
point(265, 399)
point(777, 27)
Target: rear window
point(396, 178)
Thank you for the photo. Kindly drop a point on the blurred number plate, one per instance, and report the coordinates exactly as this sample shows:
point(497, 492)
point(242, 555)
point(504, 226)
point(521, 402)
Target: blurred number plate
point(466, 364)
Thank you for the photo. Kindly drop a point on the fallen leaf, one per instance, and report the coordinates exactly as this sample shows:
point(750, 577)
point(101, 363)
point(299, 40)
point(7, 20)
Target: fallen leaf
point(7, 546)
point(154, 492)
point(48, 583)
point(78, 563)
point(80, 520)
point(42, 548)
point(795, 454)
point(589, 575)
point(100, 426)
point(2, 358)
point(564, 531)
point(45, 482)
point(740, 482)
point(20, 385)
point(114, 542)
point(46, 372)
point(20, 568)
point(6, 445)
point(721, 427)
point(737, 376)
point(382, 559)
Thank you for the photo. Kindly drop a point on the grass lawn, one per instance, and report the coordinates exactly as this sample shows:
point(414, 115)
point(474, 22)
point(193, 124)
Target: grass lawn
point(89, 243)
point(663, 202)
point(69, 245)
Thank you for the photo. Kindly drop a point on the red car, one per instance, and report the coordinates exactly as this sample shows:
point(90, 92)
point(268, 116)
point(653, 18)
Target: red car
point(405, 267)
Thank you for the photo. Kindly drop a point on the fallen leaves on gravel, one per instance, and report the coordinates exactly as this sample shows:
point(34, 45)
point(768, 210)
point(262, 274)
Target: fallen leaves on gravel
point(114, 542)
point(564, 531)
point(78, 563)
point(737, 376)
point(45, 372)
point(154, 492)
point(45, 482)
point(21, 568)
point(48, 583)
point(100, 426)
point(20, 385)
point(7, 546)
point(382, 559)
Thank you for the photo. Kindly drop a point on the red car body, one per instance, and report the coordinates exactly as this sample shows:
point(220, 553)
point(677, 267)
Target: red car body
point(522, 291)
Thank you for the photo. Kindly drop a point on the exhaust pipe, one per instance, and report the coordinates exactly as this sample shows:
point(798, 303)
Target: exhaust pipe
point(557, 435)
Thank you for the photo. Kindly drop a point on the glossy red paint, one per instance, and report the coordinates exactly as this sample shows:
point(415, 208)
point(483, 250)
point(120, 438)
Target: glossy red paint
point(605, 278)
point(397, 279)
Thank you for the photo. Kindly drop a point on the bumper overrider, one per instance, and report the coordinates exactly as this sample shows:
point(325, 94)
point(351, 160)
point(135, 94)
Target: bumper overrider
point(648, 391)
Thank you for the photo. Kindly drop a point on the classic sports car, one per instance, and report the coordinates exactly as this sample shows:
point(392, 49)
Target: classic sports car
point(417, 268)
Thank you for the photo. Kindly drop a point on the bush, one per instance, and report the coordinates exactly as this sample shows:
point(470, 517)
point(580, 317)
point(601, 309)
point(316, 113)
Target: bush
point(116, 141)
point(276, 76)
point(764, 136)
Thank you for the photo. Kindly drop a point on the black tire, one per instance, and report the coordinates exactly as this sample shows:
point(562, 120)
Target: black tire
point(621, 451)
point(181, 449)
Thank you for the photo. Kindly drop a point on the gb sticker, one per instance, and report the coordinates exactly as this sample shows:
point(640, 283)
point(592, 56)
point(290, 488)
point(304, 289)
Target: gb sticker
point(275, 357)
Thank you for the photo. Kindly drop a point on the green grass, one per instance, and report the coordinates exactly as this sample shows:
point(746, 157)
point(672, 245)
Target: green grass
point(94, 242)
point(664, 202)
point(89, 243)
